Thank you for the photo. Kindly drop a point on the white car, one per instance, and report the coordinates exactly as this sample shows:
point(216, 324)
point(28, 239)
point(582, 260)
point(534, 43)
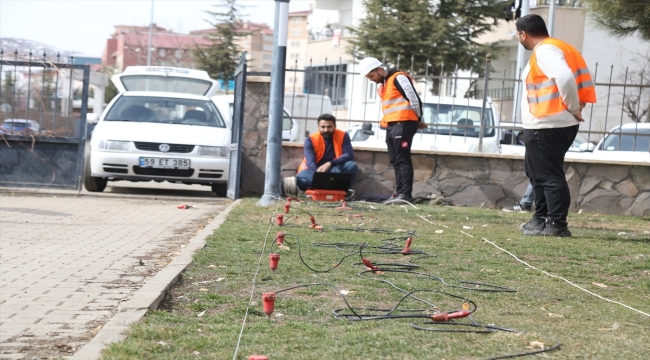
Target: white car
point(629, 142)
point(289, 125)
point(162, 126)
point(453, 126)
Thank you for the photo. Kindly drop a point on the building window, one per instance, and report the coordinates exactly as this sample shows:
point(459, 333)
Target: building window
point(297, 20)
point(327, 80)
point(295, 56)
point(295, 43)
point(266, 56)
point(296, 32)
point(162, 52)
point(371, 90)
point(178, 53)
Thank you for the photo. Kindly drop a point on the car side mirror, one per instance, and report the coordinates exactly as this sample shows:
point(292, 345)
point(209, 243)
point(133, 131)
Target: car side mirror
point(92, 118)
point(586, 147)
point(368, 132)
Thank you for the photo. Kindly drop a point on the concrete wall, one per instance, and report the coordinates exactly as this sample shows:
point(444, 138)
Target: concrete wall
point(481, 180)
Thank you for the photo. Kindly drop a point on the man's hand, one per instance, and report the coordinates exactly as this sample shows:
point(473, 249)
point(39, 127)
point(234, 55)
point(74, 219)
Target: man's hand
point(578, 116)
point(422, 125)
point(324, 167)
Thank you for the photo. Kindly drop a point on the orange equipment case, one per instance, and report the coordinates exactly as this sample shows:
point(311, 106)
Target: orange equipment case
point(326, 195)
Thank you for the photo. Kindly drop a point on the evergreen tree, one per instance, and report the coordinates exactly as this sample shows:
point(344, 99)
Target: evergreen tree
point(622, 17)
point(220, 59)
point(442, 31)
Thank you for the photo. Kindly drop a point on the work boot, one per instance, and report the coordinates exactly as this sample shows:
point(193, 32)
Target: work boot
point(556, 228)
point(535, 224)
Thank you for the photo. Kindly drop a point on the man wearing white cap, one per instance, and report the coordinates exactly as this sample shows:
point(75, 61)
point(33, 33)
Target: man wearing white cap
point(402, 110)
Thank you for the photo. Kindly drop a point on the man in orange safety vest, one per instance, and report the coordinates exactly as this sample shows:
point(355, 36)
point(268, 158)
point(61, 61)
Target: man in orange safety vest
point(557, 87)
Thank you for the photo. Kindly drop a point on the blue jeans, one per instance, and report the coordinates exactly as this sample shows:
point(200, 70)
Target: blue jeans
point(529, 196)
point(305, 177)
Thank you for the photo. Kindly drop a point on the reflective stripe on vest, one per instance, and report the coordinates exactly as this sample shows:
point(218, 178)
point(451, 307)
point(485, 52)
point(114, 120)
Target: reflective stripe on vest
point(542, 93)
point(319, 147)
point(394, 106)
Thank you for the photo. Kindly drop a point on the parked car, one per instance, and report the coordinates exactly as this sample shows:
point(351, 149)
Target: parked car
point(629, 142)
point(162, 126)
point(509, 144)
point(290, 128)
point(19, 127)
point(453, 126)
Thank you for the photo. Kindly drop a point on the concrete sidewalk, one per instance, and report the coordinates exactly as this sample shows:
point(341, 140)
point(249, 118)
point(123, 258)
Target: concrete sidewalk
point(68, 264)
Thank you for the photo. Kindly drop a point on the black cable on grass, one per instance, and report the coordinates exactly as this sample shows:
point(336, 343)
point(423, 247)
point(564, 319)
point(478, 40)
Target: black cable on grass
point(487, 287)
point(556, 346)
point(325, 284)
point(389, 312)
point(305, 263)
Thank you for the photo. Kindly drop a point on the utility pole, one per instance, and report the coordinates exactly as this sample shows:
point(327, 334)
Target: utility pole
point(150, 36)
point(516, 110)
point(551, 18)
point(272, 178)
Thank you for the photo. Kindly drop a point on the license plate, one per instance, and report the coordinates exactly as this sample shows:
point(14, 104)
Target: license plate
point(163, 163)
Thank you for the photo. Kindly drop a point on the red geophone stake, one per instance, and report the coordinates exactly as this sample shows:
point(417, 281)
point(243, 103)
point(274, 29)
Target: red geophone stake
point(258, 357)
point(273, 261)
point(279, 219)
point(407, 246)
point(269, 303)
point(450, 315)
point(280, 235)
point(313, 223)
point(287, 206)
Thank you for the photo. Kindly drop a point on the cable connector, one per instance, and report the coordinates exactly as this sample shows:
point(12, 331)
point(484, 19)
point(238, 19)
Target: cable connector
point(370, 266)
point(313, 223)
point(280, 235)
point(343, 206)
point(407, 246)
point(279, 219)
point(443, 317)
point(269, 303)
point(273, 261)
point(287, 206)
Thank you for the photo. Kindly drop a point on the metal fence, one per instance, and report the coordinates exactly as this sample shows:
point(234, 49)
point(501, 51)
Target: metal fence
point(454, 95)
point(43, 106)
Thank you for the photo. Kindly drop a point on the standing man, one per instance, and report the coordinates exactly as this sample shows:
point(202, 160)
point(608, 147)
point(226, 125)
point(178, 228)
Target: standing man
point(402, 110)
point(558, 85)
point(328, 150)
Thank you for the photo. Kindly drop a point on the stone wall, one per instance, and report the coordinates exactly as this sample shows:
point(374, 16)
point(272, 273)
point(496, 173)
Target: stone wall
point(482, 180)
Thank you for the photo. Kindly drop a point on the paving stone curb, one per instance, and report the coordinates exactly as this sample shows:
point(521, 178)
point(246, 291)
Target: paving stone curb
point(150, 295)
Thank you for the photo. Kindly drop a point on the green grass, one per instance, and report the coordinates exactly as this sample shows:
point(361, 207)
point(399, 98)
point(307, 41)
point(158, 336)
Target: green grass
point(543, 308)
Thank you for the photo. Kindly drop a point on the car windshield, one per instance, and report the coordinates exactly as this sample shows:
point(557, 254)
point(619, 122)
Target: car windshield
point(460, 120)
point(627, 140)
point(165, 111)
point(166, 84)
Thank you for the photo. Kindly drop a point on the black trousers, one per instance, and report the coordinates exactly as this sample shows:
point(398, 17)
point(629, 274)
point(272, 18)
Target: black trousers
point(399, 138)
point(544, 164)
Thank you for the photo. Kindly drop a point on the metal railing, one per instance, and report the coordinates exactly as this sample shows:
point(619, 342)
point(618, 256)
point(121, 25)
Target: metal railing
point(37, 96)
point(355, 102)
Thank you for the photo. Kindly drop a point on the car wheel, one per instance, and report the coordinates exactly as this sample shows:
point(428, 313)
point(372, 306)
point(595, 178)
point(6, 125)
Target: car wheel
point(91, 183)
point(220, 189)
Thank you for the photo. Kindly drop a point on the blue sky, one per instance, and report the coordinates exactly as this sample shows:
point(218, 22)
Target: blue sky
point(84, 25)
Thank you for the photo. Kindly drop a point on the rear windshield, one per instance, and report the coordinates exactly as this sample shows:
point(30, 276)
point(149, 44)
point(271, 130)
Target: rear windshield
point(165, 111)
point(627, 140)
point(460, 120)
point(165, 84)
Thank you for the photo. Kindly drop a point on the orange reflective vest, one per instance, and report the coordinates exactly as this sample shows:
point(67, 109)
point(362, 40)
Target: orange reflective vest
point(393, 104)
point(319, 147)
point(543, 95)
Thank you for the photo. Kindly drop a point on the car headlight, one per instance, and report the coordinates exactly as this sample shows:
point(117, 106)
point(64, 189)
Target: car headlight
point(219, 151)
point(117, 145)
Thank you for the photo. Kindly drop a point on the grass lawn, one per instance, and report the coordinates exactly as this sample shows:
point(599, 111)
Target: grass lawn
point(210, 314)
